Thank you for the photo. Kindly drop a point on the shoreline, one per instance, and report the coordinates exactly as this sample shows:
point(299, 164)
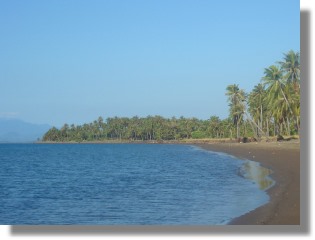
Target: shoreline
point(283, 159)
point(186, 141)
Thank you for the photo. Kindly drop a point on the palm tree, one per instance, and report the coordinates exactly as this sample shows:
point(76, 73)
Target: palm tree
point(281, 92)
point(273, 79)
point(256, 99)
point(236, 97)
point(214, 125)
point(291, 66)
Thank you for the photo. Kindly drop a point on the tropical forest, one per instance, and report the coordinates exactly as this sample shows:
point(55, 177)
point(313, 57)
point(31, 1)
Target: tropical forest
point(270, 111)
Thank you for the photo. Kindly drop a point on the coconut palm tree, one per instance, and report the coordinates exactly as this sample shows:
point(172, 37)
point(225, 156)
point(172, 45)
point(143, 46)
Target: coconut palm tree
point(291, 66)
point(282, 91)
point(214, 126)
point(275, 83)
point(236, 97)
point(256, 103)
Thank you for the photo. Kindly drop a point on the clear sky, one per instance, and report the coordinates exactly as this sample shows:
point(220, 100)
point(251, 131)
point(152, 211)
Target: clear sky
point(72, 61)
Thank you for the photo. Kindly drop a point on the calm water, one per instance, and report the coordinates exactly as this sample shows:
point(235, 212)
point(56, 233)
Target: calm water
point(123, 184)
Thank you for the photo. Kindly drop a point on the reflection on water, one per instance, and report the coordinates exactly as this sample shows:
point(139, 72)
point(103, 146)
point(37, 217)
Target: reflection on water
point(260, 175)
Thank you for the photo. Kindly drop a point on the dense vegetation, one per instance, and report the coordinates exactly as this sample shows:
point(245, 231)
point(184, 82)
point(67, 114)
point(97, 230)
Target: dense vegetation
point(272, 108)
point(274, 104)
point(149, 128)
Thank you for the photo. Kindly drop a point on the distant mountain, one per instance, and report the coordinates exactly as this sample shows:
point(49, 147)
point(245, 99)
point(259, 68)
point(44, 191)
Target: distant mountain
point(15, 130)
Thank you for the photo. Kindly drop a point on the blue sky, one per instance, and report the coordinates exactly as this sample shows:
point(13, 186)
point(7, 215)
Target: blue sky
point(72, 61)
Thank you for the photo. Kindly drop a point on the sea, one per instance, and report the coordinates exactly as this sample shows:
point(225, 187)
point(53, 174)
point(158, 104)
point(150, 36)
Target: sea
point(126, 184)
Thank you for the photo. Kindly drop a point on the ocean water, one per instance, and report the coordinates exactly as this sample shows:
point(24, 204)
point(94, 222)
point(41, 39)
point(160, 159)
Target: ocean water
point(124, 184)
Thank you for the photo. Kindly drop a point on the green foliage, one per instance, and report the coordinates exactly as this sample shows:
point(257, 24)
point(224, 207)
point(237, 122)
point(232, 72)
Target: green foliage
point(274, 104)
point(198, 134)
point(150, 128)
point(271, 108)
point(236, 98)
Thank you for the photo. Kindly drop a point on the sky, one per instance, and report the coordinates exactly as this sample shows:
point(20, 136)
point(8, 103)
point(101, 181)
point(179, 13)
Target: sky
point(71, 61)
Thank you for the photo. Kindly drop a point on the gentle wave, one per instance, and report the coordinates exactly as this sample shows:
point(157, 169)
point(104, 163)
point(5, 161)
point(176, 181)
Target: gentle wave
point(123, 184)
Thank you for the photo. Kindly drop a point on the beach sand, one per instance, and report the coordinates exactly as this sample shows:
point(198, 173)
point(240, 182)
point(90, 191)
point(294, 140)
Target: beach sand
point(283, 158)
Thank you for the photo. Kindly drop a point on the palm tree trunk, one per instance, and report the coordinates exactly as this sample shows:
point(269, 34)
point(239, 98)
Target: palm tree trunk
point(298, 125)
point(245, 129)
point(289, 130)
point(255, 125)
point(256, 136)
point(286, 100)
point(261, 117)
point(286, 127)
point(237, 131)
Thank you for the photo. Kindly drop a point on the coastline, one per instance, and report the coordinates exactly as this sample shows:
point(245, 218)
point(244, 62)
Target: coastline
point(283, 158)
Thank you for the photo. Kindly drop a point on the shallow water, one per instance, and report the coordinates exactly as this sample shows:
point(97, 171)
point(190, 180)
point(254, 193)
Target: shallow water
point(123, 184)
point(258, 174)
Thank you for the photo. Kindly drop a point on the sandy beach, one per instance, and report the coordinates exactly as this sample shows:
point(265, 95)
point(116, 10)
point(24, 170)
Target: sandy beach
point(283, 158)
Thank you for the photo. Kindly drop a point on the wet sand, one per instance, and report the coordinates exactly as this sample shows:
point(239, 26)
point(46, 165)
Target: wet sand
point(283, 158)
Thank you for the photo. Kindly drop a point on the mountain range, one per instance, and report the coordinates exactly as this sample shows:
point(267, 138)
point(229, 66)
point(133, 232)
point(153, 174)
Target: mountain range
point(16, 131)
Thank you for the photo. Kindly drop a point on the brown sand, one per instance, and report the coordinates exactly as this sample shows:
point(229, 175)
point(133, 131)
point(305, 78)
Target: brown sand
point(283, 158)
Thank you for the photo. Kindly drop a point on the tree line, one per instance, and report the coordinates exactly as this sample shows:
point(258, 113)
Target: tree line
point(141, 128)
point(272, 108)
